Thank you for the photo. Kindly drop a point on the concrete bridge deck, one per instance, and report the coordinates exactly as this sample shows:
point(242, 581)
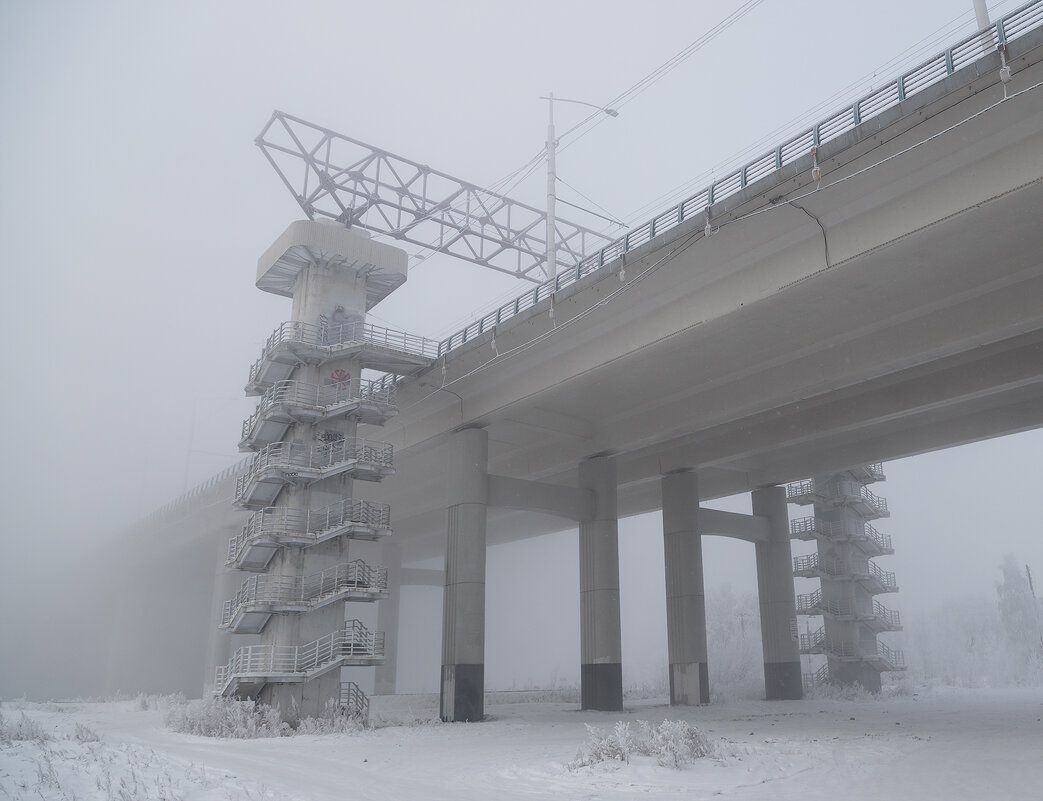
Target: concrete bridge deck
point(891, 308)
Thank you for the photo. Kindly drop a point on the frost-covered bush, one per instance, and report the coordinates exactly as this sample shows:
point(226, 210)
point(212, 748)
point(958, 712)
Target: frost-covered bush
point(335, 719)
point(144, 702)
point(244, 720)
point(675, 743)
point(672, 743)
point(25, 728)
point(840, 692)
point(85, 734)
point(226, 717)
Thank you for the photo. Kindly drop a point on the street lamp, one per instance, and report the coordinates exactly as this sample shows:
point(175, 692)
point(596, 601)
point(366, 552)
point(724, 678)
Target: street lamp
point(550, 267)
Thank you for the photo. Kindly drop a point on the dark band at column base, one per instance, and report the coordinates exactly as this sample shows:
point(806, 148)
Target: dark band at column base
point(463, 693)
point(782, 681)
point(602, 686)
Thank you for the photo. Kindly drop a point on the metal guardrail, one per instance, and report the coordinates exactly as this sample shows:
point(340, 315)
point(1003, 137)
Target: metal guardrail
point(800, 489)
point(292, 457)
point(854, 490)
point(330, 336)
point(837, 568)
point(809, 527)
point(806, 490)
point(935, 69)
point(307, 591)
point(273, 661)
point(276, 522)
point(820, 676)
point(882, 541)
point(889, 617)
point(894, 657)
point(812, 603)
point(805, 528)
point(354, 701)
point(299, 395)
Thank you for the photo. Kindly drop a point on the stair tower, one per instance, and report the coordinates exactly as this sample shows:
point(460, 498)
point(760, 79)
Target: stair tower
point(850, 580)
point(313, 457)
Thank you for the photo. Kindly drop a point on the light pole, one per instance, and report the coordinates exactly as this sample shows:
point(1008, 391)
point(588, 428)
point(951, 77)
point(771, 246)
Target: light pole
point(550, 266)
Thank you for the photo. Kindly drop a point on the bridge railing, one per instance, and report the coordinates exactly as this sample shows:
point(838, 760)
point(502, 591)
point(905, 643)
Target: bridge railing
point(930, 72)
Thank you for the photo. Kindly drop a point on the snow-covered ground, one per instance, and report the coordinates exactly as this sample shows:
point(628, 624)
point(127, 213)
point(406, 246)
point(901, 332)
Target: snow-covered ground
point(985, 745)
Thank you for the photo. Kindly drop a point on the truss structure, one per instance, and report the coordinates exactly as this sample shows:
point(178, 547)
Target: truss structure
point(343, 179)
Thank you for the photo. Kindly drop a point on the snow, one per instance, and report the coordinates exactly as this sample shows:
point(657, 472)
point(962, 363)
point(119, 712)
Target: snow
point(934, 744)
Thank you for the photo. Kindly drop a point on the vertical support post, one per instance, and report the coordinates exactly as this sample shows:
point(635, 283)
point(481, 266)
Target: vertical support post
point(685, 598)
point(601, 662)
point(463, 610)
point(778, 608)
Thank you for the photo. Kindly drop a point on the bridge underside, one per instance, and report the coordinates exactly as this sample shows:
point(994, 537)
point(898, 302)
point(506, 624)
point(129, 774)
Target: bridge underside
point(883, 315)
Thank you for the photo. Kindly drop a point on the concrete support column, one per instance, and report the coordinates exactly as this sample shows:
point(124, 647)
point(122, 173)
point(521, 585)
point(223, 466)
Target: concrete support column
point(685, 598)
point(463, 610)
point(601, 663)
point(777, 604)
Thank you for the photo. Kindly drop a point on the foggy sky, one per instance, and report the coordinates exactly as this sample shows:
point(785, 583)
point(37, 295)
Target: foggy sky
point(134, 206)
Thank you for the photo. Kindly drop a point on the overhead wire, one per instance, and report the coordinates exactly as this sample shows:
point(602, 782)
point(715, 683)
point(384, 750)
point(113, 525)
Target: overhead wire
point(510, 181)
point(908, 56)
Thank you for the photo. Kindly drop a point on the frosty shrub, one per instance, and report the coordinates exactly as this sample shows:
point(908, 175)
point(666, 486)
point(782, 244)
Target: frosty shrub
point(85, 734)
point(839, 692)
point(335, 719)
point(672, 743)
point(245, 720)
point(226, 717)
point(25, 728)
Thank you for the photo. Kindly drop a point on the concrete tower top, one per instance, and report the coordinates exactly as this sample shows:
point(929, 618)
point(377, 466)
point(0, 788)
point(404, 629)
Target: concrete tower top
point(306, 243)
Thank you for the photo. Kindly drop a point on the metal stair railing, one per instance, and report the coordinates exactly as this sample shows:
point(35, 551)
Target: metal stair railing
point(353, 449)
point(298, 394)
point(885, 577)
point(930, 72)
point(810, 603)
point(800, 489)
point(354, 701)
point(291, 456)
point(813, 563)
point(805, 528)
point(275, 522)
point(890, 617)
point(813, 604)
point(356, 333)
point(353, 639)
point(882, 541)
point(307, 591)
point(813, 640)
point(892, 656)
point(820, 676)
point(852, 490)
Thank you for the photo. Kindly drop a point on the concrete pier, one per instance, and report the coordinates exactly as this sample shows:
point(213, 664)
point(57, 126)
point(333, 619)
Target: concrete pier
point(782, 678)
point(463, 611)
point(601, 663)
point(685, 598)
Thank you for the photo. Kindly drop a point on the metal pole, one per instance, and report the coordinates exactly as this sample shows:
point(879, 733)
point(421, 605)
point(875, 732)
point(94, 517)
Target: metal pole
point(550, 267)
point(981, 11)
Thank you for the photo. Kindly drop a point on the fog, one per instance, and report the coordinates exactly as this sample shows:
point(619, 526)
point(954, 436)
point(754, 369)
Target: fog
point(134, 206)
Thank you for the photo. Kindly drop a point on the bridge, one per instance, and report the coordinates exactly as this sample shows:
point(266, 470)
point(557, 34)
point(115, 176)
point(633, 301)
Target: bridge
point(869, 290)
